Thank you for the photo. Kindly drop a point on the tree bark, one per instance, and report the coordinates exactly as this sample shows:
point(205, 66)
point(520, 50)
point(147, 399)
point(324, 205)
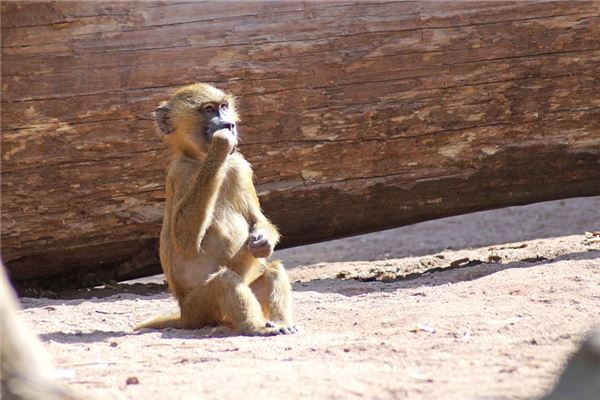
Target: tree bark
point(356, 116)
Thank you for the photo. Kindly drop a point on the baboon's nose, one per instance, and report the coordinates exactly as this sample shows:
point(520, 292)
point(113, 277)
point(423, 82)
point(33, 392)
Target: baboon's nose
point(228, 125)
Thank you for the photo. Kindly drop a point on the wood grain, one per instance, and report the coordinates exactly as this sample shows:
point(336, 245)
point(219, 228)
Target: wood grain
point(356, 116)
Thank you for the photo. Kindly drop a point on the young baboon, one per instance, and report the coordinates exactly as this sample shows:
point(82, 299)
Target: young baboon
point(215, 239)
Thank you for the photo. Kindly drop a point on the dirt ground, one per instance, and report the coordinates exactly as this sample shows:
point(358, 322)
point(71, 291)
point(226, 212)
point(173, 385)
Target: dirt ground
point(482, 306)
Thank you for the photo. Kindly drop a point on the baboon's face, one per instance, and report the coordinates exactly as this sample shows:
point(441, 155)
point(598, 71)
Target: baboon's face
point(217, 115)
point(195, 113)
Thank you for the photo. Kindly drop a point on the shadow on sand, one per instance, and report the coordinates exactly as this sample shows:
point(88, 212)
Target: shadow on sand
point(433, 277)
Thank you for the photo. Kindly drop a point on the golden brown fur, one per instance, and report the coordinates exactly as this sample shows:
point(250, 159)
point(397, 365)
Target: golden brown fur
point(26, 372)
point(215, 238)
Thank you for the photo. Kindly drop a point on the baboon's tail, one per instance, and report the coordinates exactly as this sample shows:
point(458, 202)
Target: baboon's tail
point(161, 322)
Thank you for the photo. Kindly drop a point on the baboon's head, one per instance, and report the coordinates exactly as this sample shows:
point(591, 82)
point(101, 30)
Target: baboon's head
point(195, 112)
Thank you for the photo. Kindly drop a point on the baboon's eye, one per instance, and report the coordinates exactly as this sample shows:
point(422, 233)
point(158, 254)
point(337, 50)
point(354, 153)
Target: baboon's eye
point(209, 108)
point(224, 106)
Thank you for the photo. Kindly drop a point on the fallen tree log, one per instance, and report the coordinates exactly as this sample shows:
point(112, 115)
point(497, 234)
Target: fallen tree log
point(356, 117)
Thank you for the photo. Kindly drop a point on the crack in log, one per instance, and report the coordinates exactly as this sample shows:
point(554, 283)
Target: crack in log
point(129, 154)
point(74, 122)
point(586, 15)
point(164, 5)
point(306, 54)
point(304, 40)
point(401, 79)
point(133, 90)
point(249, 45)
point(533, 55)
point(243, 16)
point(67, 22)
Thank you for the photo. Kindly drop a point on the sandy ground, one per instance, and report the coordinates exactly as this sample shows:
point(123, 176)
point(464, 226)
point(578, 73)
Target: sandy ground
point(482, 306)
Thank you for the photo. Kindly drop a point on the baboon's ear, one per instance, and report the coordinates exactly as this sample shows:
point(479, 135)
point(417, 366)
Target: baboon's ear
point(161, 115)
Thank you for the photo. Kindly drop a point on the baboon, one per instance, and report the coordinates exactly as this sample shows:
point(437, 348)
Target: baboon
point(27, 373)
point(215, 239)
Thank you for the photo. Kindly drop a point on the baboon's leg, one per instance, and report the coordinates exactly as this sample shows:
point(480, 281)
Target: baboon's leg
point(273, 291)
point(225, 298)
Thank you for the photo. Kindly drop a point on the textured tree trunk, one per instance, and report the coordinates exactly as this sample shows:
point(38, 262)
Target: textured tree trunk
point(356, 116)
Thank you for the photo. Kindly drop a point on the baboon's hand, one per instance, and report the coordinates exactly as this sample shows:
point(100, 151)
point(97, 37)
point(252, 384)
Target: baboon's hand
point(224, 140)
point(260, 245)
